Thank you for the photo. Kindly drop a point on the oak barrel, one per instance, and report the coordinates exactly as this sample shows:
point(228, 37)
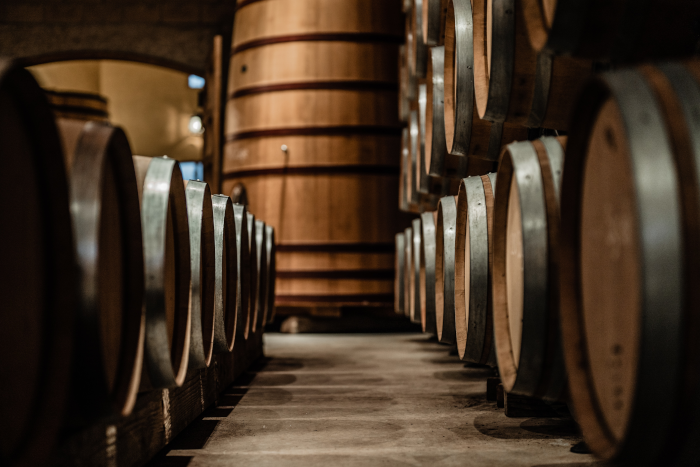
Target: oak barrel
point(78, 105)
point(312, 121)
point(408, 272)
point(473, 268)
point(261, 266)
point(526, 269)
point(38, 280)
point(243, 292)
point(419, 49)
point(200, 217)
point(418, 179)
point(630, 265)
point(513, 83)
point(433, 22)
point(445, 238)
point(618, 30)
point(166, 254)
point(399, 268)
point(271, 257)
point(465, 133)
point(225, 273)
point(415, 311)
point(427, 272)
point(254, 262)
point(110, 328)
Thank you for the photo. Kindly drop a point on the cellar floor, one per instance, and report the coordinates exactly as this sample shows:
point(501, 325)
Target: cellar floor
point(366, 400)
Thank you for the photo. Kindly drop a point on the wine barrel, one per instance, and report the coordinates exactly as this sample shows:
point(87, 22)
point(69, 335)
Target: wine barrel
point(418, 180)
point(630, 265)
point(433, 22)
point(416, 298)
point(243, 292)
point(109, 336)
point(404, 181)
point(312, 109)
point(271, 273)
point(473, 266)
point(445, 237)
point(465, 133)
point(427, 272)
point(439, 164)
point(399, 267)
point(78, 106)
point(38, 282)
point(200, 216)
point(419, 49)
point(407, 85)
point(261, 267)
point(526, 267)
point(254, 297)
point(166, 253)
point(620, 30)
point(408, 271)
point(513, 83)
point(225, 273)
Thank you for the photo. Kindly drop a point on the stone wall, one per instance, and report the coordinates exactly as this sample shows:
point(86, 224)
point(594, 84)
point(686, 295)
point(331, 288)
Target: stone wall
point(173, 33)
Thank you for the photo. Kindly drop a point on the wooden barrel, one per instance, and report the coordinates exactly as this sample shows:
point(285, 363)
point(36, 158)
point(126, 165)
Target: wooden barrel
point(408, 272)
point(465, 133)
point(200, 216)
point(78, 105)
point(399, 268)
point(427, 272)
point(418, 186)
point(440, 165)
point(473, 260)
point(618, 30)
point(254, 273)
point(271, 273)
point(513, 83)
point(225, 273)
point(109, 335)
point(243, 300)
point(445, 237)
point(166, 253)
point(526, 267)
point(407, 84)
point(404, 181)
point(312, 109)
point(419, 49)
point(38, 281)
point(261, 266)
point(630, 265)
point(433, 22)
point(416, 298)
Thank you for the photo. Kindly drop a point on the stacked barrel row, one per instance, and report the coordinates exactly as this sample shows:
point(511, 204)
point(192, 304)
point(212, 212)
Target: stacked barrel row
point(573, 267)
point(118, 276)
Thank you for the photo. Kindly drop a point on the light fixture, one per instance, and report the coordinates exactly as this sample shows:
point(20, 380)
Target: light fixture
point(195, 126)
point(195, 82)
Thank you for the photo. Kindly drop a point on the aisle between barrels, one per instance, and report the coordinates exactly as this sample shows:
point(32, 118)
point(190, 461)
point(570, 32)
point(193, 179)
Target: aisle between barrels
point(352, 399)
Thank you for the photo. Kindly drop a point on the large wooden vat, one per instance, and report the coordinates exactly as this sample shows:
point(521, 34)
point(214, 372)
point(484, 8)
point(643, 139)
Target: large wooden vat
point(38, 278)
point(630, 265)
point(312, 131)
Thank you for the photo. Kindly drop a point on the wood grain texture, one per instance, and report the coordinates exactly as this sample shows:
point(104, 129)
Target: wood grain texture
point(292, 17)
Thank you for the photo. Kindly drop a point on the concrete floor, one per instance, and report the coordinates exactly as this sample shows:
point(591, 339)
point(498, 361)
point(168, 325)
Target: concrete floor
point(366, 400)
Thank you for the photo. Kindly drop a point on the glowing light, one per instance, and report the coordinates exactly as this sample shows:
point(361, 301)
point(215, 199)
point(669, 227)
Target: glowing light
point(195, 82)
point(196, 127)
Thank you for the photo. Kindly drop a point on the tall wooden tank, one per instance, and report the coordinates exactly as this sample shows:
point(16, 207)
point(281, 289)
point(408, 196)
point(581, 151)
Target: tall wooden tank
point(312, 131)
